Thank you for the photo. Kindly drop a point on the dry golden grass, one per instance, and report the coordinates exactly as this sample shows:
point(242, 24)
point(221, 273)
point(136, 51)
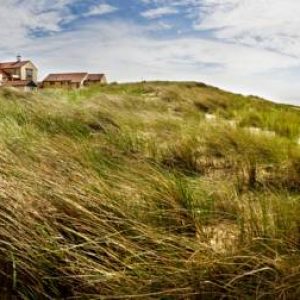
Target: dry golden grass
point(129, 192)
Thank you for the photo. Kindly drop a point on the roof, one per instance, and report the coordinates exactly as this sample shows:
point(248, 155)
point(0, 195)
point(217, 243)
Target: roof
point(95, 77)
point(13, 65)
point(3, 72)
point(70, 77)
point(19, 83)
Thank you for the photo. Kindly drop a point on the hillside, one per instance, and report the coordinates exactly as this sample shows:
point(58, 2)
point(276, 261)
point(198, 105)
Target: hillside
point(153, 190)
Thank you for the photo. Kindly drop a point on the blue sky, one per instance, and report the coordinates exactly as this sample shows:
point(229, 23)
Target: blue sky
point(246, 46)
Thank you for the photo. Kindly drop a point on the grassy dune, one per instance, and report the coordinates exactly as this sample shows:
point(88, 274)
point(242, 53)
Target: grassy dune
point(148, 191)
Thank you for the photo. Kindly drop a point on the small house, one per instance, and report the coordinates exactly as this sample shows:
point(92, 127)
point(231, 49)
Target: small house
point(18, 70)
point(65, 80)
point(73, 80)
point(93, 79)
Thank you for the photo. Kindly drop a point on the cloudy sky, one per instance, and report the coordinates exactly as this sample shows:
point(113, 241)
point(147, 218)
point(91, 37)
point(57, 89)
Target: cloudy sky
point(247, 46)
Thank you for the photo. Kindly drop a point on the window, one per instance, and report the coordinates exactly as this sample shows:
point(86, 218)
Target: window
point(14, 72)
point(29, 74)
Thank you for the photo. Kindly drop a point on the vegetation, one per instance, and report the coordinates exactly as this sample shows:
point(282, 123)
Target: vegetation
point(158, 190)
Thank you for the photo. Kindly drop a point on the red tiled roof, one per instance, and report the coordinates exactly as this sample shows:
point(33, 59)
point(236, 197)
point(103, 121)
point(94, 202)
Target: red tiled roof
point(13, 65)
point(19, 83)
point(95, 77)
point(70, 77)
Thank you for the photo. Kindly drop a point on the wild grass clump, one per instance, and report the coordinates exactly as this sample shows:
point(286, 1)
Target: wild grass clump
point(184, 156)
point(127, 191)
point(282, 121)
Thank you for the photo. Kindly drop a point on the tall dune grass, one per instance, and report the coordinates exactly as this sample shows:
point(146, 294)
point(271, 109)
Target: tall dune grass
point(128, 192)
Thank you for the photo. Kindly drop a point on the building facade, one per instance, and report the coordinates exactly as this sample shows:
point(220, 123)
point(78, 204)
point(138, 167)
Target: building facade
point(73, 80)
point(93, 79)
point(19, 74)
point(65, 80)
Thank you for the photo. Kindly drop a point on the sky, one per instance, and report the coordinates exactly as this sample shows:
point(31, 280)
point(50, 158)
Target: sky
point(245, 46)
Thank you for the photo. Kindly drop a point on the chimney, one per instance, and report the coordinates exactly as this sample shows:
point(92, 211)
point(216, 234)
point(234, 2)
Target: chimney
point(19, 58)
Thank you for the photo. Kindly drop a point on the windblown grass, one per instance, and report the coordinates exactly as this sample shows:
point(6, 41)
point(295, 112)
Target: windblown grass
point(127, 191)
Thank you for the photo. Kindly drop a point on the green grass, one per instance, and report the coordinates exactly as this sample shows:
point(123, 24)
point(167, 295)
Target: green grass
point(128, 191)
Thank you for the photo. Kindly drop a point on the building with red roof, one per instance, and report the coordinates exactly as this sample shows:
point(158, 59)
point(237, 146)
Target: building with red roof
point(21, 74)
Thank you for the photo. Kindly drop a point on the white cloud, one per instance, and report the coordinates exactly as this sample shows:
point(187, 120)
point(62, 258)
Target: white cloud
point(159, 12)
point(268, 24)
point(18, 18)
point(101, 9)
point(172, 2)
